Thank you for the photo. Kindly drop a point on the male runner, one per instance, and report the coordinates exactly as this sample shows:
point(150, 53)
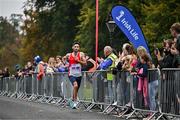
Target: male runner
point(76, 59)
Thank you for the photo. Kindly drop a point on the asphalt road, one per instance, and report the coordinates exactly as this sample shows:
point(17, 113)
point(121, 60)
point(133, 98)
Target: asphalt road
point(18, 109)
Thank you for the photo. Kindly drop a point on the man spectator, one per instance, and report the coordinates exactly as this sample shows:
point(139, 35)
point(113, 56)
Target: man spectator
point(167, 96)
point(109, 64)
point(175, 32)
point(167, 60)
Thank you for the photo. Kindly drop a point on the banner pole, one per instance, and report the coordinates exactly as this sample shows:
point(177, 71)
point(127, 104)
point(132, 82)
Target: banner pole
point(97, 14)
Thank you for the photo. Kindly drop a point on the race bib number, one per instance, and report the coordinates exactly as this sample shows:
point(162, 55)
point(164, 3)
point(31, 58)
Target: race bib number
point(75, 70)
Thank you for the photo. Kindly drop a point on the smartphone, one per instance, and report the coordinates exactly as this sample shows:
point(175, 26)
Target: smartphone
point(156, 51)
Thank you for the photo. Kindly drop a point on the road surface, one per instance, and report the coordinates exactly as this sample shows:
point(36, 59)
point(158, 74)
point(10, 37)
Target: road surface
point(18, 109)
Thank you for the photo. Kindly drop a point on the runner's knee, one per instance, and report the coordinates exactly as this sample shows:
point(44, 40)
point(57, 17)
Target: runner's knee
point(75, 84)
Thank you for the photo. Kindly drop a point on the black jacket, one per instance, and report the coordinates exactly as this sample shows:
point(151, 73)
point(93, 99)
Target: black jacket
point(167, 61)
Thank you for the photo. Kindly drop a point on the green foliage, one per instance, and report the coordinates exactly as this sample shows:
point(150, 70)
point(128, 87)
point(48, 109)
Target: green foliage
point(158, 17)
point(51, 26)
point(9, 45)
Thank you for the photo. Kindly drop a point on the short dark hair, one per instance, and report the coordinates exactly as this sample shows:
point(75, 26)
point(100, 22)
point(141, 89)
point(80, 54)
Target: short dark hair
point(176, 27)
point(75, 43)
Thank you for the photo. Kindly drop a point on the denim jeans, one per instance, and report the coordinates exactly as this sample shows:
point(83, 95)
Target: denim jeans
point(110, 91)
point(124, 89)
point(153, 89)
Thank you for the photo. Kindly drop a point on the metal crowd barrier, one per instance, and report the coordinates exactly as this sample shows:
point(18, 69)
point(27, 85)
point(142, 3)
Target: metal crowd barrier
point(1, 85)
point(144, 95)
point(170, 93)
point(119, 96)
point(28, 86)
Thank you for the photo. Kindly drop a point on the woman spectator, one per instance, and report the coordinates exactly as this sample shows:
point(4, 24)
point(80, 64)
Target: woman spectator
point(30, 68)
point(51, 65)
point(131, 64)
point(153, 82)
point(128, 60)
point(61, 64)
point(58, 61)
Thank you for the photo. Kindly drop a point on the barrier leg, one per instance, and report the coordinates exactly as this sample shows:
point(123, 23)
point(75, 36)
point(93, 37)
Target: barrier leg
point(90, 107)
point(58, 101)
point(151, 116)
point(130, 115)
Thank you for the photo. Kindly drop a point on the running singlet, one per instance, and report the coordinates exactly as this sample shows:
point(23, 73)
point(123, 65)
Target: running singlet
point(74, 67)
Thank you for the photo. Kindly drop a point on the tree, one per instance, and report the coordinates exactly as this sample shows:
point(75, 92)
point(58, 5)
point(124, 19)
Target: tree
point(50, 27)
point(9, 45)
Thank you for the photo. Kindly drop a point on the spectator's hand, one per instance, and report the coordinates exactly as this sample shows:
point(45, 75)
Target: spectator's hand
point(133, 73)
point(20, 74)
point(174, 51)
point(99, 59)
point(158, 55)
point(31, 72)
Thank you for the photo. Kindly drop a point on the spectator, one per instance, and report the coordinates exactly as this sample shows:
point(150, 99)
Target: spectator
point(167, 62)
point(129, 65)
point(30, 68)
point(142, 74)
point(51, 65)
point(91, 64)
point(65, 63)
point(39, 68)
point(175, 32)
point(109, 64)
point(126, 63)
point(152, 83)
point(6, 72)
point(1, 73)
point(58, 61)
point(60, 64)
point(128, 57)
point(19, 72)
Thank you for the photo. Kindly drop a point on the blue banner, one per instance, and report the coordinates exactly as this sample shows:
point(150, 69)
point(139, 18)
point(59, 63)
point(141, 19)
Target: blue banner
point(128, 25)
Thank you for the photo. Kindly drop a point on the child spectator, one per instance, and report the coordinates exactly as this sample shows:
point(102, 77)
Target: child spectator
point(142, 74)
point(39, 68)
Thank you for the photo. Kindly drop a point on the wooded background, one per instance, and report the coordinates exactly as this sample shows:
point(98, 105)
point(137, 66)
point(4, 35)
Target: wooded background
point(51, 26)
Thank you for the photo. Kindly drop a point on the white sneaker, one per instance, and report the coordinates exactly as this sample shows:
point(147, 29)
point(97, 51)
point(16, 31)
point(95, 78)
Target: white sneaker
point(53, 102)
point(75, 105)
point(115, 103)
